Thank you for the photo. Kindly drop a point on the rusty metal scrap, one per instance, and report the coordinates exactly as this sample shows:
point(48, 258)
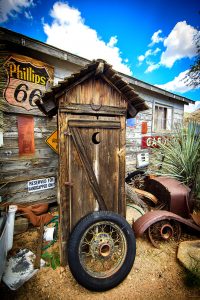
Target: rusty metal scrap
point(174, 193)
point(143, 223)
point(146, 195)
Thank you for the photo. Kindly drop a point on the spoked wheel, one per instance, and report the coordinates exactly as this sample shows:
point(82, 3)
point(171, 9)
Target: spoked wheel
point(101, 250)
point(164, 231)
point(136, 179)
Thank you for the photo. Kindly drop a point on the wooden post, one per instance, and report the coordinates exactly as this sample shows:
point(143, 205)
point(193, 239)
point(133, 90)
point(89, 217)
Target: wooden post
point(39, 247)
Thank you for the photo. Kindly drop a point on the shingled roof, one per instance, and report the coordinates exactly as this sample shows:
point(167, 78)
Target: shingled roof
point(49, 102)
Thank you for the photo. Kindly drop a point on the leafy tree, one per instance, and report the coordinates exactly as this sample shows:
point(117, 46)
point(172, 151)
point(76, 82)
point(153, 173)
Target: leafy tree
point(193, 76)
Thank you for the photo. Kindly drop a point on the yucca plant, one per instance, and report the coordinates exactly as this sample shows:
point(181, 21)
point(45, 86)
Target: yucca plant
point(182, 157)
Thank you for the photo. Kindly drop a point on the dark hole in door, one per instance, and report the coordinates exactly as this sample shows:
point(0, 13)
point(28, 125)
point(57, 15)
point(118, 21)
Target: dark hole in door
point(95, 138)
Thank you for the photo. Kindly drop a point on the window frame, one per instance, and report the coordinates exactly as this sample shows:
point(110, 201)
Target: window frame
point(159, 104)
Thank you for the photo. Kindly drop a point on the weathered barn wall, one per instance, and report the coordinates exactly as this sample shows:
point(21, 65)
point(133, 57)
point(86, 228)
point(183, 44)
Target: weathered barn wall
point(21, 162)
point(17, 170)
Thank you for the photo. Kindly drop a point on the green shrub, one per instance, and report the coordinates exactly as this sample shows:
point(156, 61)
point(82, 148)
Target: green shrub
point(182, 157)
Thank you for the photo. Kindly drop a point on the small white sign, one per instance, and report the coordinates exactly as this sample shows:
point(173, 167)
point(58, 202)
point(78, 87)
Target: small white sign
point(1, 139)
point(41, 184)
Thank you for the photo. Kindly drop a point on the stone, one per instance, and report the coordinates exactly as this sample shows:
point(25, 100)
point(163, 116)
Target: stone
point(189, 255)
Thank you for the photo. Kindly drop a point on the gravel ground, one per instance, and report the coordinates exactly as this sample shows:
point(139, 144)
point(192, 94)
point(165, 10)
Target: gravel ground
point(156, 274)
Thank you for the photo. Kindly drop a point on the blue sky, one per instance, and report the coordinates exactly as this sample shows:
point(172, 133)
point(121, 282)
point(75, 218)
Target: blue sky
point(150, 40)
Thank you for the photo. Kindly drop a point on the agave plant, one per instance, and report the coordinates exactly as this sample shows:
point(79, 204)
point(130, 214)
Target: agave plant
point(182, 157)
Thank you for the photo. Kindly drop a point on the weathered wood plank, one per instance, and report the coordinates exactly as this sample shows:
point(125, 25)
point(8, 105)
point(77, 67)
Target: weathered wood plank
point(83, 200)
point(122, 166)
point(39, 247)
point(94, 110)
point(64, 192)
point(17, 195)
point(88, 168)
point(94, 124)
point(16, 176)
point(108, 167)
point(39, 153)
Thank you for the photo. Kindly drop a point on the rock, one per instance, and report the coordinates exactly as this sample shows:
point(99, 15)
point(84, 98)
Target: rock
point(189, 255)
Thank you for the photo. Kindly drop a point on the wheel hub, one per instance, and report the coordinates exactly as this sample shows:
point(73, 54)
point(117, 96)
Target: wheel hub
point(166, 232)
point(102, 245)
point(163, 231)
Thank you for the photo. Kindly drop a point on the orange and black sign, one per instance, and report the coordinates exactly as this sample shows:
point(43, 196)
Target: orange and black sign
point(27, 79)
point(52, 141)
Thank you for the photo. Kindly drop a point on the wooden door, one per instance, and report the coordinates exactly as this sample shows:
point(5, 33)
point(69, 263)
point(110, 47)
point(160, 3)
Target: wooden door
point(93, 167)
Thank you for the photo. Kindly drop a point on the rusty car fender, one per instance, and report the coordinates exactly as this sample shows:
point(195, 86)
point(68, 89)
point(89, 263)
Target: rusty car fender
point(143, 223)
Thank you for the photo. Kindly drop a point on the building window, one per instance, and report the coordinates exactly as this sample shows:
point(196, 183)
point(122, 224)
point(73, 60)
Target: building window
point(162, 119)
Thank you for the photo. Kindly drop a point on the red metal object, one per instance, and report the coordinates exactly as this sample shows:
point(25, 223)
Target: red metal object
point(148, 195)
point(144, 127)
point(141, 224)
point(173, 193)
point(26, 135)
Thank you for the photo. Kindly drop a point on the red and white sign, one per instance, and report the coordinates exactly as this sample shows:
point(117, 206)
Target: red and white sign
point(154, 141)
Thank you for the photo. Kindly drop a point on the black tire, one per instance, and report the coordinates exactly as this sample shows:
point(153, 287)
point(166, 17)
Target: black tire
point(101, 240)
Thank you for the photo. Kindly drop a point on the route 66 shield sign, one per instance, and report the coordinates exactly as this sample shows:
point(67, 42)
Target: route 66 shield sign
point(26, 81)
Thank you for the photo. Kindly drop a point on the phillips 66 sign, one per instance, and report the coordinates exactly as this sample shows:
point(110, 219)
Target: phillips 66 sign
point(27, 79)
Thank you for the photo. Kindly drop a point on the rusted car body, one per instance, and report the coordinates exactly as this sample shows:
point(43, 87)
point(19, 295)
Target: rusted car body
point(164, 224)
point(173, 193)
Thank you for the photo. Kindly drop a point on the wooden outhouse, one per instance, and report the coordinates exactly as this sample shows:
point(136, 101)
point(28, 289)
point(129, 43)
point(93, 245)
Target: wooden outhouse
point(92, 107)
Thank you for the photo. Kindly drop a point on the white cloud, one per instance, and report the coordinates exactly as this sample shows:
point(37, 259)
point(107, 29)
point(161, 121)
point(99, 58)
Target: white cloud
point(151, 67)
point(28, 15)
point(141, 58)
point(148, 53)
point(179, 44)
point(178, 84)
point(9, 8)
point(69, 32)
point(156, 38)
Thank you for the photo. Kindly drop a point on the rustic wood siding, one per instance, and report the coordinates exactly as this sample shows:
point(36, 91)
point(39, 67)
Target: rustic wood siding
point(17, 170)
point(95, 91)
